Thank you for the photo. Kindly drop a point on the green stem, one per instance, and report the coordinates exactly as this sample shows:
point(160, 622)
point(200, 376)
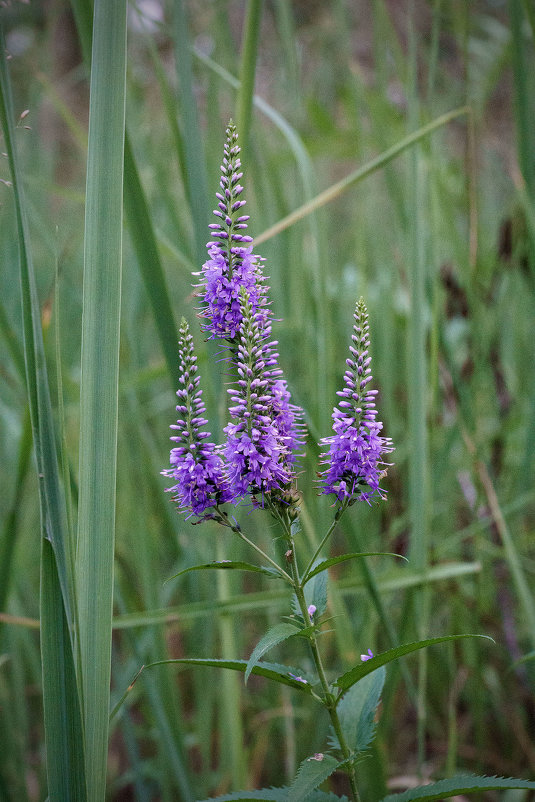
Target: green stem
point(225, 520)
point(329, 700)
point(339, 512)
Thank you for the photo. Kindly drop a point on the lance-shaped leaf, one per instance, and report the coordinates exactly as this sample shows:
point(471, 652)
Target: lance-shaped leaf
point(286, 675)
point(312, 771)
point(229, 565)
point(455, 786)
point(275, 795)
point(277, 634)
point(324, 564)
point(358, 672)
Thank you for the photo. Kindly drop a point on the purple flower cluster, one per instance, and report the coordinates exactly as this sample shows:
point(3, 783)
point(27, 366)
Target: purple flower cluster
point(232, 264)
point(266, 426)
point(266, 429)
point(353, 464)
point(197, 468)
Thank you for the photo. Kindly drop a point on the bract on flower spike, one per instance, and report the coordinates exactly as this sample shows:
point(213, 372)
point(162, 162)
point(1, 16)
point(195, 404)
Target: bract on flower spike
point(196, 466)
point(231, 263)
point(263, 431)
point(353, 464)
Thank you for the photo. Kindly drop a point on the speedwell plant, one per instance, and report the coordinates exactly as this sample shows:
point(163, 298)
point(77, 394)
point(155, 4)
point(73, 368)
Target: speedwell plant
point(257, 465)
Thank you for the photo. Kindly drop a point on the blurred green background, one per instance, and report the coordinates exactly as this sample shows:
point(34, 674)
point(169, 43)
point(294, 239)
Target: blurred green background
point(440, 241)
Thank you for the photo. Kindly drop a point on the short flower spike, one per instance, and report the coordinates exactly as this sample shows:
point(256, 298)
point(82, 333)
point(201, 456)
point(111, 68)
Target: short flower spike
point(232, 264)
point(353, 464)
point(196, 468)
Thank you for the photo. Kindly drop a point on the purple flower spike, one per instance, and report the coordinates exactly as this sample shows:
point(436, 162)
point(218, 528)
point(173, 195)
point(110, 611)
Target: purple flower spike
point(257, 448)
point(197, 468)
point(231, 263)
point(353, 464)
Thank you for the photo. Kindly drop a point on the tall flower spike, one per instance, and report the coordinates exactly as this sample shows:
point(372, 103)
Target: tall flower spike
point(353, 464)
point(264, 423)
point(231, 263)
point(196, 468)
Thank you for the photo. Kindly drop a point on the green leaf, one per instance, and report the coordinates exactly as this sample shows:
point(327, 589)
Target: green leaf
point(455, 786)
point(275, 635)
point(324, 564)
point(286, 675)
point(275, 795)
point(231, 565)
point(99, 379)
point(63, 722)
point(312, 771)
point(358, 672)
point(357, 709)
point(149, 262)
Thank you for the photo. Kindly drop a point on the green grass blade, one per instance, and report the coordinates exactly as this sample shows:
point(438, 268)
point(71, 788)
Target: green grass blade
point(195, 164)
point(144, 241)
point(65, 762)
point(9, 531)
point(99, 380)
point(354, 177)
point(251, 35)
point(63, 723)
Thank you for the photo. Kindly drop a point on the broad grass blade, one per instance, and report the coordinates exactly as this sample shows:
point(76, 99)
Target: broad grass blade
point(99, 380)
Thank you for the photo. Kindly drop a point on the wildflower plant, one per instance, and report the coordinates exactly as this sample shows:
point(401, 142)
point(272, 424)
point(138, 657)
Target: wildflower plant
point(257, 465)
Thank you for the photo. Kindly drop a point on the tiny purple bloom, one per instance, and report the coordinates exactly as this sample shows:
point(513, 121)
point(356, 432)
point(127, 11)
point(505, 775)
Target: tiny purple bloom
point(353, 464)
point(297, 679)
point(367, 656)
point(196, 468)
point(311, 610)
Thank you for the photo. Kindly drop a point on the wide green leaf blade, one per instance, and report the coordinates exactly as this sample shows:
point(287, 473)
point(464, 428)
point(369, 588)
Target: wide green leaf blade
point(99, 378)
point(356, 673)
point(286, 675)
point(277, 634)
point(455, 786)
point(312, 771)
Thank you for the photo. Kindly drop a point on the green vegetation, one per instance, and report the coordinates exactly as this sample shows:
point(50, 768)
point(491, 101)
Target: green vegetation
point(418, 116)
